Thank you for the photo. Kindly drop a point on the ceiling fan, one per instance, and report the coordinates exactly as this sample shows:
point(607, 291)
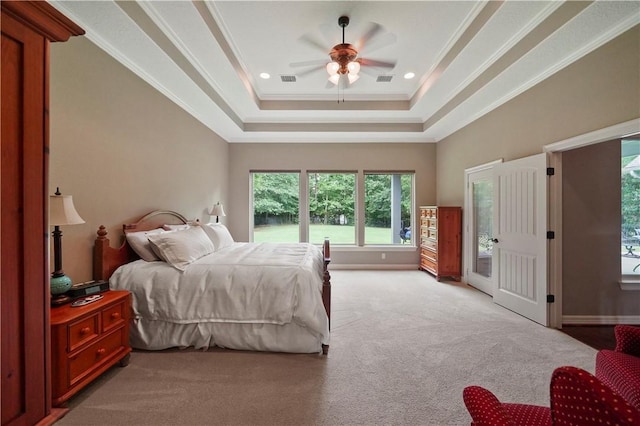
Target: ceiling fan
point(345, 64)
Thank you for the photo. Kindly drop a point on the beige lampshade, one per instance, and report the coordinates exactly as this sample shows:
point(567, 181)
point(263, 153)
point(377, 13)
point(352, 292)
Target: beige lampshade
point(217, 210)
point(62, 211)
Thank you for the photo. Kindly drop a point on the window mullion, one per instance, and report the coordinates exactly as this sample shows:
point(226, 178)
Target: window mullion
point(304, 206)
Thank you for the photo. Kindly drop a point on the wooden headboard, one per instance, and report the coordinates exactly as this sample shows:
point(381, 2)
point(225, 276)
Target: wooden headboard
point(107, 259)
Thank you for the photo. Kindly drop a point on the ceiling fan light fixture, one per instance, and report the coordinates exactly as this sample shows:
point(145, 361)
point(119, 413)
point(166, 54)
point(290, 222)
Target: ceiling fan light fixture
point(354, 67)
point(353, 78)
point(332, 68)
point(335, 79)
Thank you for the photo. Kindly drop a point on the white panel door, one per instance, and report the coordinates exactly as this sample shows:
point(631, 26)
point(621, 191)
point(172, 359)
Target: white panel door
point(520, 237)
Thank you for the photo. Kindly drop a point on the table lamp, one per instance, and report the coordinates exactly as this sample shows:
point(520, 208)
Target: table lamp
point(217, 210)
point(61, 212)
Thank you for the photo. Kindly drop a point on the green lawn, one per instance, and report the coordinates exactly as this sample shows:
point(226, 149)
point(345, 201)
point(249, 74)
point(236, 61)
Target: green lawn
point(338, 234)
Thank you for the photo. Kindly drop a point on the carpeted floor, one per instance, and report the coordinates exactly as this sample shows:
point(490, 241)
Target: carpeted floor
point(403, 347)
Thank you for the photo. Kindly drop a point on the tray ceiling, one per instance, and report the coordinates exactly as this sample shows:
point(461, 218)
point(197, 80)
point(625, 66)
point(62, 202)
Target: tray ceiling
point(468, 57)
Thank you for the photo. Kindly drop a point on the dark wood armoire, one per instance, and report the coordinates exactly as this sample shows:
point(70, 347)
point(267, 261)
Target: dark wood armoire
point(27, 28)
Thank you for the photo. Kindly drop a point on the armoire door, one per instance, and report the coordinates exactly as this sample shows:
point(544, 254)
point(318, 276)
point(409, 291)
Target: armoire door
point(23, 263)
point(27, 28)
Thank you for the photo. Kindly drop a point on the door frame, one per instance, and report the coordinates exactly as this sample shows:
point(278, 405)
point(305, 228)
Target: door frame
point(468, 216)
point(555, 202)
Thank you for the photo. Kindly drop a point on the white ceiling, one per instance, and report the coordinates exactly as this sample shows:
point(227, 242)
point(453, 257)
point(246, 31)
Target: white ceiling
point(469, 57)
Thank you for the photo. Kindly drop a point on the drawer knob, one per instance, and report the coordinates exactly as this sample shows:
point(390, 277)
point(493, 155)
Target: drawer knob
point(85, 330)
point(101, 351)
point(115, 315)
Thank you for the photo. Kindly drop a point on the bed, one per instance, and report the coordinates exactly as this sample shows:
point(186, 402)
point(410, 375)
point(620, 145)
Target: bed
point(272, 297)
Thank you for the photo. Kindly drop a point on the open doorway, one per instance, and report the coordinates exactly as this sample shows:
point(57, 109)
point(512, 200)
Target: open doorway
point(585, 214)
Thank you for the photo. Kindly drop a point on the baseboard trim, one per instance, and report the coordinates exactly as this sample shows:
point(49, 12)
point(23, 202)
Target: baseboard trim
point(600, 319)
point(373, 266)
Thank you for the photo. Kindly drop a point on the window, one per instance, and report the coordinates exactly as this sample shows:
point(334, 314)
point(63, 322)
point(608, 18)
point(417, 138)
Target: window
point(332, 207)
point(388, 207)
point(293, 207)
point(276, 207)
point(630, 207)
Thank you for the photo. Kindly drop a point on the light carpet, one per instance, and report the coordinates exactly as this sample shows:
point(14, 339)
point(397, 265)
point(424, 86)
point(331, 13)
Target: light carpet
point(403, 347)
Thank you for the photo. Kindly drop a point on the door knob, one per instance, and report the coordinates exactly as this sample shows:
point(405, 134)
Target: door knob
point(495, 240)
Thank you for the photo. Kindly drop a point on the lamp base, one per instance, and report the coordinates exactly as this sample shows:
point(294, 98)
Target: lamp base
point(60, 284)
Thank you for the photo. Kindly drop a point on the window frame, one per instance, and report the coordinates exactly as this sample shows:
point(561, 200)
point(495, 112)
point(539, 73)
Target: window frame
point(629, 279)
point(359, 206)
point(412, 209)
point(251, 199)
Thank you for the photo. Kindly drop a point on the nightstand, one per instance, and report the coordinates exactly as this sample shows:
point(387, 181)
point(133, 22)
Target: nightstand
point(86, 341)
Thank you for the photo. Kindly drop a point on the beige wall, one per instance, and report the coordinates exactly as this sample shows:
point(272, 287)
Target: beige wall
point(245, 158)
point(123, 149)
point(598, 91)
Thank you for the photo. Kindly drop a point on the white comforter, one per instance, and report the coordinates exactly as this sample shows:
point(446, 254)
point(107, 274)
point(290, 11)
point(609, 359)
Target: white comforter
point(257, 283)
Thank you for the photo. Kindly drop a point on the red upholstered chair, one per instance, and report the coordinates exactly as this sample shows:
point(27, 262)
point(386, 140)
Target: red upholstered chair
point(577, 398)
point(620, 368)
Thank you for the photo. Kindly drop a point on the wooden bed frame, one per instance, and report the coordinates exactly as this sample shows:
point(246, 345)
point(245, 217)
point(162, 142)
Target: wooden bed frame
point(107, 259)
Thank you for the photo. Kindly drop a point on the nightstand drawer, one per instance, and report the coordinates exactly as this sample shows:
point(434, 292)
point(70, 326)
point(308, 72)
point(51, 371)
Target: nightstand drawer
point(83, 331)
point(112, 317)
point(94, 355)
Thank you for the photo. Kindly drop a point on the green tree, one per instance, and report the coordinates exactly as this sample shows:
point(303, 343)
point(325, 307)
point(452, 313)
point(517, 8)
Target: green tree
point(275, 197)
point(331, 195)
point(378, 200)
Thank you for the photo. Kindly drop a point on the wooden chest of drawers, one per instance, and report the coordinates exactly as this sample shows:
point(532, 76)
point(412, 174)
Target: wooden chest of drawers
point(441, 241)
point(88, 340)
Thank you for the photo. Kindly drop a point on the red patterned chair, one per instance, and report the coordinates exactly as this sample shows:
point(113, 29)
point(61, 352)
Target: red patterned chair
point(578, 398)
point(620, 368)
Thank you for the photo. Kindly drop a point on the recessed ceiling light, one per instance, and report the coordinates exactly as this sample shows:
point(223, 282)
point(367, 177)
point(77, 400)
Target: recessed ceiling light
point(265, 75)
point(409, 75)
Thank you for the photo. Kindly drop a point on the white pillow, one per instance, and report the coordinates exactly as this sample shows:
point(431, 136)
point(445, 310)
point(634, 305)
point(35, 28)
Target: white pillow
point(180, 227)
point(180, 248)
point(219, 235)
point(140, 244)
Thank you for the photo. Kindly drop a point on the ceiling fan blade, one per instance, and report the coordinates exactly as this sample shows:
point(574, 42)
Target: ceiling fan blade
point(310, 41)
point(310, 71)
point(312, 63)
point(379, 42)
point(376, 63)
point(330, 33)
point(372, 31)
point(370, 71)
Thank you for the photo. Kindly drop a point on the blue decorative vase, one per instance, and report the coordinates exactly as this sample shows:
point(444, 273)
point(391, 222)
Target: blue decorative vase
point(60, 285)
